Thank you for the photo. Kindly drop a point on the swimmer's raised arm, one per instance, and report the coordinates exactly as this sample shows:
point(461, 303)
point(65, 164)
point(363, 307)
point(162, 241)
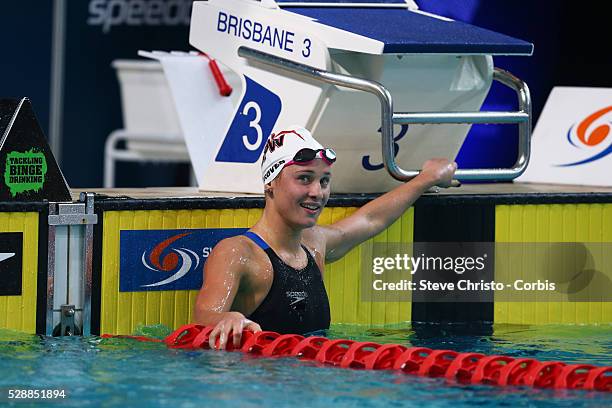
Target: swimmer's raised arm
point(223, 272)
point(378, 214)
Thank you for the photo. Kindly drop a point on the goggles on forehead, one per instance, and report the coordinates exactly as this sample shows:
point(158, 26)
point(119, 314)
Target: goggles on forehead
point(307, 155)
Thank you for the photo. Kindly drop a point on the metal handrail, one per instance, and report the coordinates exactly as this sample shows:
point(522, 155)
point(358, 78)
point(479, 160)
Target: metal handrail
point(522, 117)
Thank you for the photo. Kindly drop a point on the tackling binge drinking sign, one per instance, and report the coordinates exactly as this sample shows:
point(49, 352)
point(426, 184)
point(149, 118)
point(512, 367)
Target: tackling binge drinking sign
point(25, 171)
point(28, 170)
point(155, 260)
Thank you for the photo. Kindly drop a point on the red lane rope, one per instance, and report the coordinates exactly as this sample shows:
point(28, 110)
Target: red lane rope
point(466, 368)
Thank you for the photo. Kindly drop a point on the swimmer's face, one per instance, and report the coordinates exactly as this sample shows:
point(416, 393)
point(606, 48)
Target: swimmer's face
point(301, 192)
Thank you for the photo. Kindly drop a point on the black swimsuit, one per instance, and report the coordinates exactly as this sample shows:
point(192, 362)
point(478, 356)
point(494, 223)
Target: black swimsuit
point(297, 301)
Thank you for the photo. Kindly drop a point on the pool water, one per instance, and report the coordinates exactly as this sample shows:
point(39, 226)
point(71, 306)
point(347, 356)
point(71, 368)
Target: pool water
point(123, 372)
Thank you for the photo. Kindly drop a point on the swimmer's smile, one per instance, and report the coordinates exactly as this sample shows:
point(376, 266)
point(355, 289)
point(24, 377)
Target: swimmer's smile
point(311, 208)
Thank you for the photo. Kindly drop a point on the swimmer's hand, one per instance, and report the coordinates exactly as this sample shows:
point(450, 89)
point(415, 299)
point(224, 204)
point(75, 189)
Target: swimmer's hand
point(439, 172)
point(234, 323)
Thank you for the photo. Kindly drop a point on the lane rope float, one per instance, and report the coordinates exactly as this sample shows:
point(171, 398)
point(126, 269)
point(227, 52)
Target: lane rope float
point(464, 368)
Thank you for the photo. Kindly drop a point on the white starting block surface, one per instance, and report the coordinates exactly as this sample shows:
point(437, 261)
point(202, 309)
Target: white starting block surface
point(572, 142)
point(428, 63)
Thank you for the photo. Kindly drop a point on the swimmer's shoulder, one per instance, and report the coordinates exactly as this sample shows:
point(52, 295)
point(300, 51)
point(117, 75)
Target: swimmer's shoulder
point(315, 240)
point(314, 236)
point(238, 248)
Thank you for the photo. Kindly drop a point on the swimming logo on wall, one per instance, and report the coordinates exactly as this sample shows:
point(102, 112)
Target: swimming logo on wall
point(167, 259)
point(25, 171)
point(591, 135)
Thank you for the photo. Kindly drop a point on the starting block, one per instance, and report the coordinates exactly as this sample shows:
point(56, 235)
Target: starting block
point(384, 84)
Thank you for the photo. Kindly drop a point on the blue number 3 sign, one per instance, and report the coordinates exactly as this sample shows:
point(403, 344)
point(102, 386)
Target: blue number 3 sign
point(250, 128)
point(365, 160)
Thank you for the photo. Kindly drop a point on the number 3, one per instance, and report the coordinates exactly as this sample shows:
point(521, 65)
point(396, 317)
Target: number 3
point(253, 124)
point(365, 160)
point(306, 50)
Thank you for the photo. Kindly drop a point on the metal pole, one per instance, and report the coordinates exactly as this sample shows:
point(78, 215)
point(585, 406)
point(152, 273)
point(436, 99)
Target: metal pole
point(57, 78)
point(373, 87)
point(522, 117)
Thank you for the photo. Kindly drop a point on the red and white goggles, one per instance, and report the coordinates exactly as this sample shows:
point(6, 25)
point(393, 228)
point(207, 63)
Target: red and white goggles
point(307, 155)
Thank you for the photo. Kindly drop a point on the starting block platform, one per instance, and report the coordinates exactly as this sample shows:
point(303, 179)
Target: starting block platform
point(386, 85)
point(405, 30)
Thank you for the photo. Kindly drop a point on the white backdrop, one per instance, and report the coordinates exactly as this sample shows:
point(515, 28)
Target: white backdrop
point(572, 141)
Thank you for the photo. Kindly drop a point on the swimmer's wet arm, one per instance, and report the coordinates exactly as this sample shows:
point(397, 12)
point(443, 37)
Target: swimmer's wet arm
point(222, 274)
point(378, 214)
point(221, 283)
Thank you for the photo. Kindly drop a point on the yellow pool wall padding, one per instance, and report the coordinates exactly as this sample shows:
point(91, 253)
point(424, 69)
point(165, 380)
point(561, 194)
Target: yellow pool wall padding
point(123, 312)
point(19, 312)
point(553, 223)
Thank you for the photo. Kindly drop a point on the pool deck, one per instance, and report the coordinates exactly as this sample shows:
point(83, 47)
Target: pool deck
point(491, 193)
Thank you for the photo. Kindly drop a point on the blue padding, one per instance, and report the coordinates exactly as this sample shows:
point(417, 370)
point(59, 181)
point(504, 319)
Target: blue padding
point(257, 239)
point(405, 32)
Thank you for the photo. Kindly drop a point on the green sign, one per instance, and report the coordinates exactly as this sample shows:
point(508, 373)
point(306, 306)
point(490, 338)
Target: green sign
point(25, 171)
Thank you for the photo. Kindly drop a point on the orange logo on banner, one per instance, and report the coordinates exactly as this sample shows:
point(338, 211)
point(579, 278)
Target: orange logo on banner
point(592, 138)
point(598, 134)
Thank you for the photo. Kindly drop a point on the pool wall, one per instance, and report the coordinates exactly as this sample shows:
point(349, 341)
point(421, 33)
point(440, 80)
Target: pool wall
point(122, 312)
point(553, 223)
point(476, 214)
point(23, 298)
point(517, 218)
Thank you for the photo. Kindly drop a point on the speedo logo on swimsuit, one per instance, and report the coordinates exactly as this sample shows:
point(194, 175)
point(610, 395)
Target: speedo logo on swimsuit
point(296, 297)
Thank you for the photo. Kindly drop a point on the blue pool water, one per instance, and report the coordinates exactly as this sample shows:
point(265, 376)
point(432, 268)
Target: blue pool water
point(122, 372)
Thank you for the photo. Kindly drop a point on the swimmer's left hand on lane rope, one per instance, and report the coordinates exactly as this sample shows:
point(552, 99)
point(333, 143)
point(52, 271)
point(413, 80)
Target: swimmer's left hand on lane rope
point(230, 328)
